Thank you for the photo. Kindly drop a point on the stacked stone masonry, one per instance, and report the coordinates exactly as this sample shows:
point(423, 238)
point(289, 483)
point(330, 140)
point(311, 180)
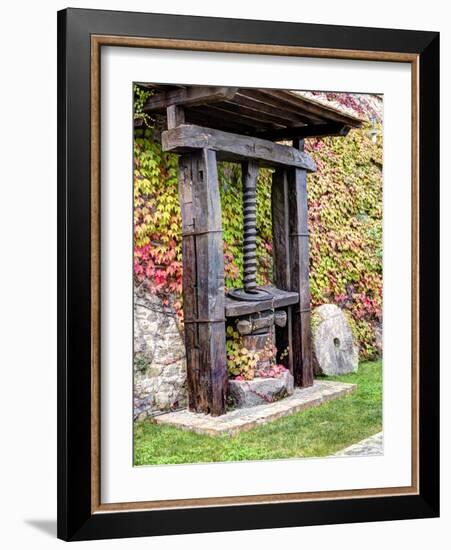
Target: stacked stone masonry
point(159, 358)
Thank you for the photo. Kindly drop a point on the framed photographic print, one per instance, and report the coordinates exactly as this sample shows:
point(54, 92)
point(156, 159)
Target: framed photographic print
point(248, 274)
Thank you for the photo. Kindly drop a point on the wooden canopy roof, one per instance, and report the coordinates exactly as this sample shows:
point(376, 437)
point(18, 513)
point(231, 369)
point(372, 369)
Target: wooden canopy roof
point(265, 113)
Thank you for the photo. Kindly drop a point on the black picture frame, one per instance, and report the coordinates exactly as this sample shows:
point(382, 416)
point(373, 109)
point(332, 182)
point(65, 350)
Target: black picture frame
point(76, 520)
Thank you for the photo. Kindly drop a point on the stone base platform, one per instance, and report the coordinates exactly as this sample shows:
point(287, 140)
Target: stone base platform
point(239, 420)
point(259, 391)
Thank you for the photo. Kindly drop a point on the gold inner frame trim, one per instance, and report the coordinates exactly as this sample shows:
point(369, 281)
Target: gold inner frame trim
point(97, 41)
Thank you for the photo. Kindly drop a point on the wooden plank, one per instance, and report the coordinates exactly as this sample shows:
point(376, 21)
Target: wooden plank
point(315, 111)
point(291, 268)
point(289, 117)
point(249, 116)
point(253, 114)
point(281, 259)
point(203, 282)
point(279, 298)
point(199, 117)
point(300, 132)
point(295, 103)
point(189, 279)
point(327, 111)
point(275, 103)
point(193, 95)
point(281, 248)
point(210, 286)
point(221, 112)
point(229, 146)
point(299, 266)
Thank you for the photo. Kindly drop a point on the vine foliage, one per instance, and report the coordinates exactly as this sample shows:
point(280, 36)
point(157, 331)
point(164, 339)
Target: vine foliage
point(345, 223)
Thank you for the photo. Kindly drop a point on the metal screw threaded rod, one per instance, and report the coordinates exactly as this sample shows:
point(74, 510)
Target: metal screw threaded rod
point(249, 176)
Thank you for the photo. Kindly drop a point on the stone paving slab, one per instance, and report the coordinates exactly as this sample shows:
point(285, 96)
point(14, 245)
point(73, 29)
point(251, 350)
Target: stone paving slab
point(240, 420)
point(371, 446)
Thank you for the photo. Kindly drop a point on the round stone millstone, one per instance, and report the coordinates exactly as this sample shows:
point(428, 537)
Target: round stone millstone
point(334, 349)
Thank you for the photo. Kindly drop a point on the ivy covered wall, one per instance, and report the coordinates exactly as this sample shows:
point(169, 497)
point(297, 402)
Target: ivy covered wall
point(345, 223)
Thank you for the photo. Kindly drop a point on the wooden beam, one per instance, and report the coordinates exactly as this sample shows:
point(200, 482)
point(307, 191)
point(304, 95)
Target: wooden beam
point(188, 97)
point(277, 299)
point(234, 147)
point(203, 282)
point(300, 132)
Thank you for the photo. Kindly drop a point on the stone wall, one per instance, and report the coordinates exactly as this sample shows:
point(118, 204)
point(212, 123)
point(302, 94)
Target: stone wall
point(159, 357)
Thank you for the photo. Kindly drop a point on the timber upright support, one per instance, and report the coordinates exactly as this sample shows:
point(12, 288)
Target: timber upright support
point(291, 268)
point(203, 282)
point(203, 279)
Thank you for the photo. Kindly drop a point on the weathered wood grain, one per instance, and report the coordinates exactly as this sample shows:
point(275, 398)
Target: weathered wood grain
point(190, 96)
point(278, 298)
point(258, 94)
point(234, 147)
point(246, 98)
point(199, 117)
point(203, 282)
point(299, 261)
point(225, 116)
point(291, 268)
point(175, 116)
point(330, 129)
point(281, 260)
point(249, 115)
point(317, 113)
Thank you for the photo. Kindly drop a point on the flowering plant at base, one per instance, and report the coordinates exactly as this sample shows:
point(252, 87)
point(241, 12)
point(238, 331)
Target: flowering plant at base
point(243, 364)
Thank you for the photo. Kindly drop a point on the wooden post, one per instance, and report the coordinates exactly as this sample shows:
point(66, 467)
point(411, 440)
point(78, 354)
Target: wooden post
point(203, 282)
point(175, 116)
point(291, 267)
point(281, 259)
point(299, 260)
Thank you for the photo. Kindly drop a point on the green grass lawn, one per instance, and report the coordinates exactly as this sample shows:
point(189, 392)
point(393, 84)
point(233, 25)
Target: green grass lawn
point(316, 432)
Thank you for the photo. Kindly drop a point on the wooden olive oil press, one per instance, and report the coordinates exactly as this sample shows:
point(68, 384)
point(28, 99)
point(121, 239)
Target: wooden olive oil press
point(206, 125)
